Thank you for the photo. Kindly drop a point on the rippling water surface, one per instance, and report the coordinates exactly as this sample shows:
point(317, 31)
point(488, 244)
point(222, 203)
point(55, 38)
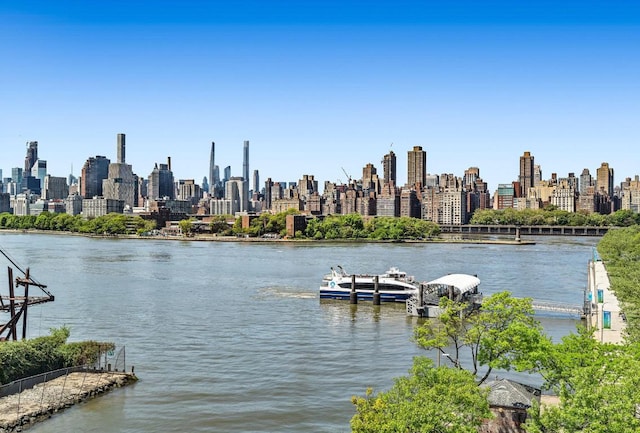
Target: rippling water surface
point(232, 337)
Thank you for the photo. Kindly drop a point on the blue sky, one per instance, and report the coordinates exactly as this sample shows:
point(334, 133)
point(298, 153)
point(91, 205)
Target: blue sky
point(322, 86)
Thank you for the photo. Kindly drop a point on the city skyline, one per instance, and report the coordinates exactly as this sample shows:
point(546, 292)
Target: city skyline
point(333, 86)
point(615, 180)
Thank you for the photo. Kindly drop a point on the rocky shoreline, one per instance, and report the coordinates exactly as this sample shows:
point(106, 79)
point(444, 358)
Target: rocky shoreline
point(20, 411)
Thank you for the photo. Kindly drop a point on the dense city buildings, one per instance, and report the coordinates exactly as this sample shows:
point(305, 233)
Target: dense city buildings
point(446, 198)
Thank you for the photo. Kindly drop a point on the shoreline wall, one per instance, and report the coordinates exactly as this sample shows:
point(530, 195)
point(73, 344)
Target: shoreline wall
point(21, 410)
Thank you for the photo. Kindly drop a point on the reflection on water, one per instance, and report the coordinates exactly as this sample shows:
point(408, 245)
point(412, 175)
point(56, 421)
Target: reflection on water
point(233, 337)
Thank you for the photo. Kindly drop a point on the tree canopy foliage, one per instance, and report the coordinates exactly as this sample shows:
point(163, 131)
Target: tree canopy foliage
point(428, 400)
point(553, 217)
point(354, 226)
point(598, 386)
point(501, 334)
point(26, 358)
point(111, 224)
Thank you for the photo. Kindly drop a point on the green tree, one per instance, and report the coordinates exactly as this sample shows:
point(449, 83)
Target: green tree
point(598, 386)
point(429, 400)
point(501, 334)
point(44, 221)
point(186, 226)
point(219, 224)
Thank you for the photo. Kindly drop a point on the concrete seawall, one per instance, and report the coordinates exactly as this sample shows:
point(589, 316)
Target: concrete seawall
point(19, 411)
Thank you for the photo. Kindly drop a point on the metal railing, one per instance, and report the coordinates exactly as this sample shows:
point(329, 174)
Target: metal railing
point(25, 400)
point(109, 361)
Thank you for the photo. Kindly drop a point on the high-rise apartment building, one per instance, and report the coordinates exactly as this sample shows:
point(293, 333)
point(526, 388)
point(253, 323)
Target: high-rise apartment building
point(121, 183)
point(417, 167)
point(370, 179)
point(189, 190)
point(389, 168)
point(537, 174)
point(526, 174)
point(55, 188)
point(604, 179)
point(631, 195)
point(585, 181)
point(268, 185)
point(161, 182)
point(565, 194)
point(94, 171)
point(307, 186)
point(256, 182)
point(470, 176)
point(503, 198)
point(234, 189)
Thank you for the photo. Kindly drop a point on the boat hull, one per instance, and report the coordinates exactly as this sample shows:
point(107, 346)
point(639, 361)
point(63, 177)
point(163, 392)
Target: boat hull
point(364, 295)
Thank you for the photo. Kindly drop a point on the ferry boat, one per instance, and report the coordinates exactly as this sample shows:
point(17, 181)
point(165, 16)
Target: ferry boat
point(393, 286)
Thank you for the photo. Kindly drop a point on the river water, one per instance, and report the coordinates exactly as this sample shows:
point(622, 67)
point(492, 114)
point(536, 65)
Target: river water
point(231, 337)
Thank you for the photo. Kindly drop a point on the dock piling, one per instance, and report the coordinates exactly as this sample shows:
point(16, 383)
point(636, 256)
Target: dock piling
point(376, 291)
point(353, 296)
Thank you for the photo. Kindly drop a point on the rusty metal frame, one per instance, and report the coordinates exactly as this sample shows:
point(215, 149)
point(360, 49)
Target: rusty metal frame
point(17, 306)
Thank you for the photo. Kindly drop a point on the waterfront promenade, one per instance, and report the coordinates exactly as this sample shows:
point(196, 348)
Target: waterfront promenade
point(605, 317)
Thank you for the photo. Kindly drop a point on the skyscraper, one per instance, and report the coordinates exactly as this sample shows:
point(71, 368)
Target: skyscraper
point(120, 152)
point(389, 167)
point(94, 171)
point(526, 176)
point(256, 182)
point(604, 179)
point(245, 161)
point(212, 168)
point(470, 176)
point(121, 183)
point(369, 178)
point(16, 175)
point(245, 173)
point(417, 167)
point(32, 156)
point(161, 182)
point(39, 170)
point(585, 181)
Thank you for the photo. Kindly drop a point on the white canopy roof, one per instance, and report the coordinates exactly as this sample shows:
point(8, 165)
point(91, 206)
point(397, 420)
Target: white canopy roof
point(463, 282)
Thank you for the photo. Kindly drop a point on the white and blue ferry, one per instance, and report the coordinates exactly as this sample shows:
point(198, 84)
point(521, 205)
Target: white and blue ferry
point(393, 286)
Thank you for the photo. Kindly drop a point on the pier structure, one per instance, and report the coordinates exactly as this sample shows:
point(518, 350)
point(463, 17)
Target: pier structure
point(606, 316)
point(519, 230)
point(555, 307)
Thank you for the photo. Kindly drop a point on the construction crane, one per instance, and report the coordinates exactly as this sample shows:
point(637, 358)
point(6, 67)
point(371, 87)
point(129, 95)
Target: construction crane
point(346, 174)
